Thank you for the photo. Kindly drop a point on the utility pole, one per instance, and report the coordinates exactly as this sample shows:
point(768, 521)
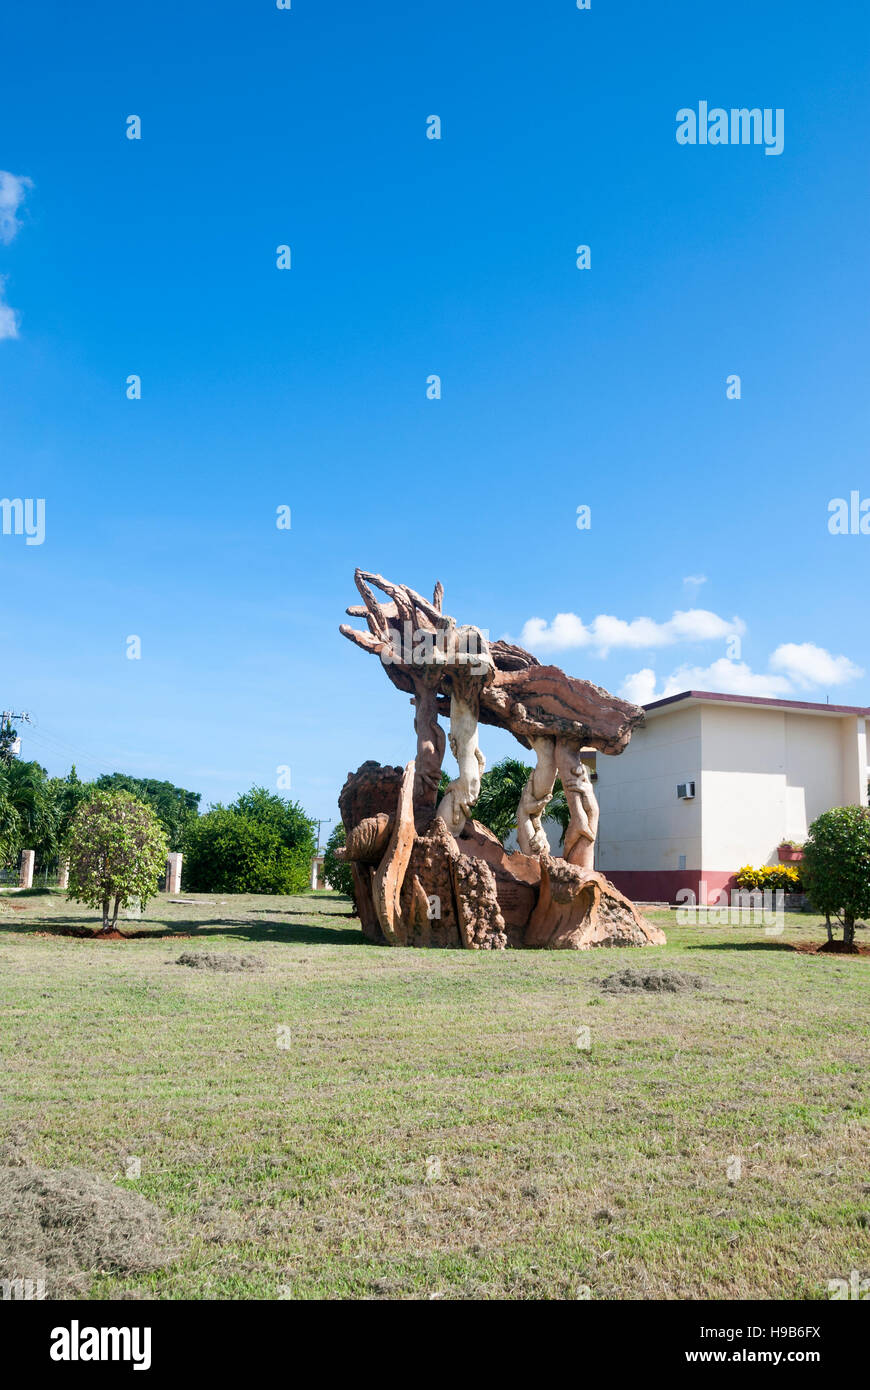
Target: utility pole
point(325, 821)
point(7, 718)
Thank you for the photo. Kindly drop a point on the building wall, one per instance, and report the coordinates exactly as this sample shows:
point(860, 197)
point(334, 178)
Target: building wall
point(762, 776)
point(767, 774)
point(649, 841)
point(855, 764)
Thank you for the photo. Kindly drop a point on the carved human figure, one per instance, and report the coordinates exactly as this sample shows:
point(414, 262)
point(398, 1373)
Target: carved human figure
point(582, 829)
point(531, 836)
point(430, 746)
point(468, 668)
point(455, 805)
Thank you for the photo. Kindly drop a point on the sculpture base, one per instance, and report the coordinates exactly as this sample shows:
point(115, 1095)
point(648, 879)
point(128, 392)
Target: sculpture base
point(417, 885)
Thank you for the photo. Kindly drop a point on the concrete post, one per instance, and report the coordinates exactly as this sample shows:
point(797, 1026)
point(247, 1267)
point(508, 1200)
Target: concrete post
point(63, 874)
point(25, 876)
point(173, 873)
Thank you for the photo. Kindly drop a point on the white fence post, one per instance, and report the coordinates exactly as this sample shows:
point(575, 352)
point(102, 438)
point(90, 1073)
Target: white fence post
point(25, 876)
point(173, 873)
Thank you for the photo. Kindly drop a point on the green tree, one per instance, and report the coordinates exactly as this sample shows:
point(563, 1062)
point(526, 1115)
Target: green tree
point(337, 873)
point(258, 844)
point(836, 866)
point(67, 794)
point(117, 851)
point(174, 806)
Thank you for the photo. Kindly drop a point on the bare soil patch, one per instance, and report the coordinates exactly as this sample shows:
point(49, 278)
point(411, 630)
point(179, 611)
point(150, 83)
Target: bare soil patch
point(830, 948)
point(630, 981)
point(92, 934)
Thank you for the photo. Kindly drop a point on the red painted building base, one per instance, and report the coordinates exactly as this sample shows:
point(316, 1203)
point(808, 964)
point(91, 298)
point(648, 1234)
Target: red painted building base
point(663, 885)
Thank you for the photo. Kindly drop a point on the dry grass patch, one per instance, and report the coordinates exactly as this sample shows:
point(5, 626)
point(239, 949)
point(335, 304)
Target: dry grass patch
point(66, 1226)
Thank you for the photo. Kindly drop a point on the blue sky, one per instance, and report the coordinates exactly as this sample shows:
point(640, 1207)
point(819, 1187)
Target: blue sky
point(413, 257)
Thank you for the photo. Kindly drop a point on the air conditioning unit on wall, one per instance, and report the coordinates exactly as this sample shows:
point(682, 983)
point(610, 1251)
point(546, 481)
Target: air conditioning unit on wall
point(686, 791)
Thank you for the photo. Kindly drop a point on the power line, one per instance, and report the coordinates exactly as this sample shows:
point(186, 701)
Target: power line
point(327, 820)
point(50, 742)
point(60, 747)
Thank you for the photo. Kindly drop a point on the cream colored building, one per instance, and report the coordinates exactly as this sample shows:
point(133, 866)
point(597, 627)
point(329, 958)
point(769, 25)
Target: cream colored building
point(713, 782)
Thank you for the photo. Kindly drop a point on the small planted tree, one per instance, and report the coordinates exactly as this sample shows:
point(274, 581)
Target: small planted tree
point(836, 867)
point(117, 852)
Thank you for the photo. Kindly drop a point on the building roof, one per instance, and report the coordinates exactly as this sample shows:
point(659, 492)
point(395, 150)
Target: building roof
point(709, 696)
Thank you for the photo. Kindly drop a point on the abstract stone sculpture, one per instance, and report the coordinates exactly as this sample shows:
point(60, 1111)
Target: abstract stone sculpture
point(425, 872)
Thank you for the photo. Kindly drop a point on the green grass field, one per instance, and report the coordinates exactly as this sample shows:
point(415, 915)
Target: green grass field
point(359, 1122)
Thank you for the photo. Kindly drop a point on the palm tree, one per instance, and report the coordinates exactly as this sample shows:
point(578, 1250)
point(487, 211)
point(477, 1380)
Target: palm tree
point(9, 825)
point(500, 792)
point(499, 800)
point(27, 812)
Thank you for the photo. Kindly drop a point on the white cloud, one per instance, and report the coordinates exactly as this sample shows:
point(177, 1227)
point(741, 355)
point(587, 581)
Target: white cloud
point(728, 678)
point(808, 665)
point(640, 688)
point(793, 668)
point(13, 190)
point(8, 317)
point(694, 581)
point(604, 633)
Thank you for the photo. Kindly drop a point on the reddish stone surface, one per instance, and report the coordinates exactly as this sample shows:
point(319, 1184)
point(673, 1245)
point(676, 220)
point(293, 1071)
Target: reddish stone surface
point(390, 876)
point(369, 791)
point(368, 840)
point(517, 878)
point(428, 897)
point(365, 903)
point(541, 700)
point(578, 909)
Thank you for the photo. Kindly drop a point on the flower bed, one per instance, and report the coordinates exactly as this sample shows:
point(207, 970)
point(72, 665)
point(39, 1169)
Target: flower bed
point(771, 878)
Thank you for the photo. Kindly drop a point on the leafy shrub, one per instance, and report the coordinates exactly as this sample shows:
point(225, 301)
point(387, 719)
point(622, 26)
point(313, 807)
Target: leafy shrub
point(771, 878)
point(837, 866)
point(258, 844)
